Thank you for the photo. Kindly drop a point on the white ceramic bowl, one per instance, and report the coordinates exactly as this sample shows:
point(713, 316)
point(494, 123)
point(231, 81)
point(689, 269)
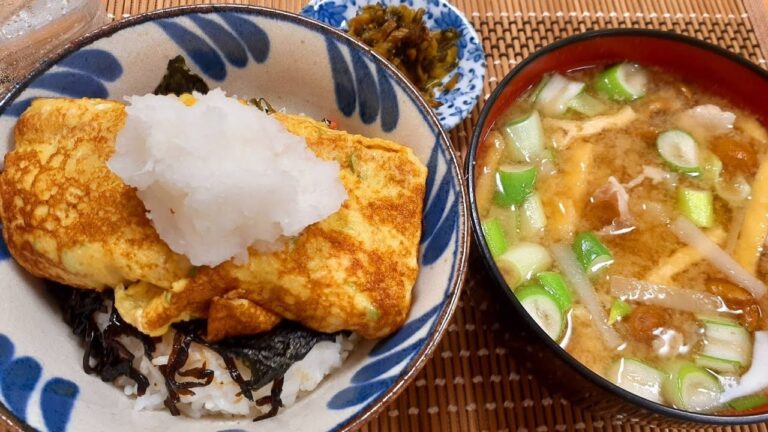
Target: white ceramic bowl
point(295, 63)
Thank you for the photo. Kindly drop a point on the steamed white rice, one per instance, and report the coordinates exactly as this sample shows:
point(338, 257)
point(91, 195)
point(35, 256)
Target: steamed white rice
point(221, 396)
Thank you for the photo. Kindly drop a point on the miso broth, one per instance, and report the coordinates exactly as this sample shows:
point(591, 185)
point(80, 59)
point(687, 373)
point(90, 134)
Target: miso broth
point(627, 210)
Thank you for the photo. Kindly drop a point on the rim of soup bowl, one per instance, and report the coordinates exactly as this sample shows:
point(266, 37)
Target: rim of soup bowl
point(469, 168)
point(373, 407)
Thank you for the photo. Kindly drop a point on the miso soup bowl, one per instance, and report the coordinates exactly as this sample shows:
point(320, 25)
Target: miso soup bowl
point(711, 67)
point(296, 63)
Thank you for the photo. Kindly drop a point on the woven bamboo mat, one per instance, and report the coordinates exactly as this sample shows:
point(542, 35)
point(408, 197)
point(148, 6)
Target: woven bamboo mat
point(474, 382)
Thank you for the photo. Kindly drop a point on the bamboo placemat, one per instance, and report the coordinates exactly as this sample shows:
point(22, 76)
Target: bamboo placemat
point(474, 382)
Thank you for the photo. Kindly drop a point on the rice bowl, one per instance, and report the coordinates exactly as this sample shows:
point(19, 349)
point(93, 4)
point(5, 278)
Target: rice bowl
point(418, 129)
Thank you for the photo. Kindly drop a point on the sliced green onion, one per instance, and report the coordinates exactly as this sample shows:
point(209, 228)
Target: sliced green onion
point(557, 93)
point(554, 283)
point(522, 261)
point(727, 345)
point(524, 138)
point(619, 309)
point(697, 206)
point(748, 402)
point(591, 253)
point(588, 105)
point(637, 377)
point(514, 183)
point(494, 237)
point(679, 151)
point(711, 168)
point(509, 220)
point(692, 388)
point(544, 309)
point(623, 82)
point(533, 219)
point(535, 90)
point(716, 319)
point(716, 364)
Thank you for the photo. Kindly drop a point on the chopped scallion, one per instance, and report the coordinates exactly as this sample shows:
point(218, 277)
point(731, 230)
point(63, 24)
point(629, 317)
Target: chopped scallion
point(692, 388)
point(637, 377)
point(591, 253)
point(556, 95)
point(524, 138)
point(522, 261)
point(544, 309)
point(679, 151)
point(533, 219)
point(588, 105)
point(711, 168)
point(697, 206)
point(623, 82)
point(749, 402)
point(494, 237)
point(514, 183)
point(555, 284)
point(619, 309)
point(727, 345)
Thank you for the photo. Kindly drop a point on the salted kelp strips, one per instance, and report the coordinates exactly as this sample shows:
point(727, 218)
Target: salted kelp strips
point(266, 355)
point(104, 355)
point(179, 79)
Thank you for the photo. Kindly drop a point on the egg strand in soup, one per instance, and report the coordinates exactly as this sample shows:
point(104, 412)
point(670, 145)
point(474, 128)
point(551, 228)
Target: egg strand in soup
point(627, 210)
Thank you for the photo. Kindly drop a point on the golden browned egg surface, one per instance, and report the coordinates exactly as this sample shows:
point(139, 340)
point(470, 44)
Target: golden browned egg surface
point(68, 218)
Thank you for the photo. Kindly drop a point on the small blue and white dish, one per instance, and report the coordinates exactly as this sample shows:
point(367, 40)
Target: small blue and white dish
point(246, 51)
point(458, 102)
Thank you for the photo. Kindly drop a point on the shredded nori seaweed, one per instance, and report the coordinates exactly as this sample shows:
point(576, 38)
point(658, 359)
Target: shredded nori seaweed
point(269, 355)
point(266, 355)
point(179, 79)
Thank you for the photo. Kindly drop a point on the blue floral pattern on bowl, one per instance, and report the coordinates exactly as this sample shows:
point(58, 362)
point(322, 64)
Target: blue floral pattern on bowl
point(458, 102)
point(237, 48)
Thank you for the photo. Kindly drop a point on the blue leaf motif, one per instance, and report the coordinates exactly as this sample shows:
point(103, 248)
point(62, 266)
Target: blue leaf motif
point(438, 243)
point(253, 36)
point(390, 113)
point(18, 107)
point(327, 12)
point(4, 254)
point(6, 351)
point(432, 167)
point(225, 41)
point(57, 399)
point(356, 395)
point(367, 91)
point(71, 83)
point(17, 382)
point(205, 56)
point(97, 62)
point(383, 365)
point(343, 83)
point(435, 209)
point(450, 19)
point(409, 329)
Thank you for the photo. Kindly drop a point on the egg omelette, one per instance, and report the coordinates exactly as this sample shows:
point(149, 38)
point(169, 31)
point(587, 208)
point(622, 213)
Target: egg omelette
point(68, 218)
